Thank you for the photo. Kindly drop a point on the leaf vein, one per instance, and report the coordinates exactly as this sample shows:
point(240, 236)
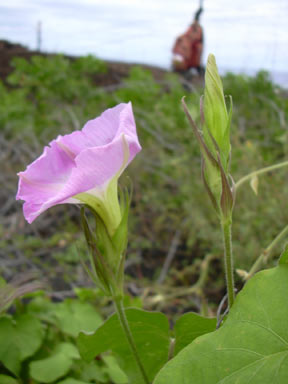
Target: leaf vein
point(241, 349)
point(266, 328)
point(221, 381)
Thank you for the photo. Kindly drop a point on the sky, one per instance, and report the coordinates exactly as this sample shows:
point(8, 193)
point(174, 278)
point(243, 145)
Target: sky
point(244, 35)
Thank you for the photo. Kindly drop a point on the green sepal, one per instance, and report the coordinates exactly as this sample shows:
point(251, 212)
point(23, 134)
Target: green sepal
point(120, 237)
point(104, 242)
point(207, 154)
point(98, 271)
point(226, 150)
point(106, 252)
point(227, 197)
point(208, 189)
point(210, 168)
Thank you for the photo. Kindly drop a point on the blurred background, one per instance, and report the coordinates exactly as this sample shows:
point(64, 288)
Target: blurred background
point(65, 62)
point(245, 35)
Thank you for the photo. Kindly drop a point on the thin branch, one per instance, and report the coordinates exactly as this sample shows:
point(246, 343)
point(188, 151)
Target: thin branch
point(260, 172)
point(266, 253)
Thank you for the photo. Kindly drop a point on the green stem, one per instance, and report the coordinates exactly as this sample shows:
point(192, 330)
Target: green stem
point(124, 323)
point(260, 172)
point(228, 257)
point(266, 253)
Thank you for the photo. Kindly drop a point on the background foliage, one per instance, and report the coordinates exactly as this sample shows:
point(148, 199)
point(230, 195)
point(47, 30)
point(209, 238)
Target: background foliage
point(170, 213)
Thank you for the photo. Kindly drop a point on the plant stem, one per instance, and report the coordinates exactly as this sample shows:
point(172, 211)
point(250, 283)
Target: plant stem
point(124, 323)
point(228, 258)
point(260, 172)
point(266, 253)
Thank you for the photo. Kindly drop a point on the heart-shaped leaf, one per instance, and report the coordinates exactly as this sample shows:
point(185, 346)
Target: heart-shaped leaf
point(75, 316)
point(20, 338)
point(55, 366)
point(189, 326)
point(251, 346)
point(29, 335)
point(151, 335)
point(10, 355)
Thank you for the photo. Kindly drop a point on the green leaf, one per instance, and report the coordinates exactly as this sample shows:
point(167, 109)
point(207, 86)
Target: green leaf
point(151, 335)
point(132, 301)
point(20, 339)
point(189, 326)
point(29, 335)
point(114, 371)
point(74, 316)
point(93, 371)
point(42, 308)
point(4, 379)
point(86, 294)
point(284, 256)
point(55, 366)
point(9, 352)
point(68, 350)
point(252, 344)
point(71, 380)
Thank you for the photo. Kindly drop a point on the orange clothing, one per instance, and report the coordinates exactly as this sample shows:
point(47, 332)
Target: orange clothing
point(188, 48)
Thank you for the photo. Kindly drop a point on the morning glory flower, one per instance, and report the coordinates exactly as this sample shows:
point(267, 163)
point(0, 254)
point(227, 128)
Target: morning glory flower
point(83, 167)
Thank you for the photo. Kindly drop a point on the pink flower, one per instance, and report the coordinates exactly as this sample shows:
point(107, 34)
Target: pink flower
point(83, 167)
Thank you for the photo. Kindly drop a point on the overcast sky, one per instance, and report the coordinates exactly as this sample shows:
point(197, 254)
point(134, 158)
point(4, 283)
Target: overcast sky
point(243, 34)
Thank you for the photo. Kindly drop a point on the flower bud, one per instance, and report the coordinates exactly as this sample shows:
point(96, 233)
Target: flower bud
point(216, 129)
point(214, 141)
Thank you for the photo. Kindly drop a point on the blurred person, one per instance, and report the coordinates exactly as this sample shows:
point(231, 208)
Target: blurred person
point(188, 48)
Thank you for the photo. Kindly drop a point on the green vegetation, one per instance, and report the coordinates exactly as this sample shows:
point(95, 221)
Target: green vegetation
point(250, 345)
point(38, 342)
point(54, 95)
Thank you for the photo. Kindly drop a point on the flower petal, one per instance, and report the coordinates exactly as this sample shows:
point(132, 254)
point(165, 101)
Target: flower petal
point(46, 175)
point(111, 124)
point(80, 162)
point(95, 167)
